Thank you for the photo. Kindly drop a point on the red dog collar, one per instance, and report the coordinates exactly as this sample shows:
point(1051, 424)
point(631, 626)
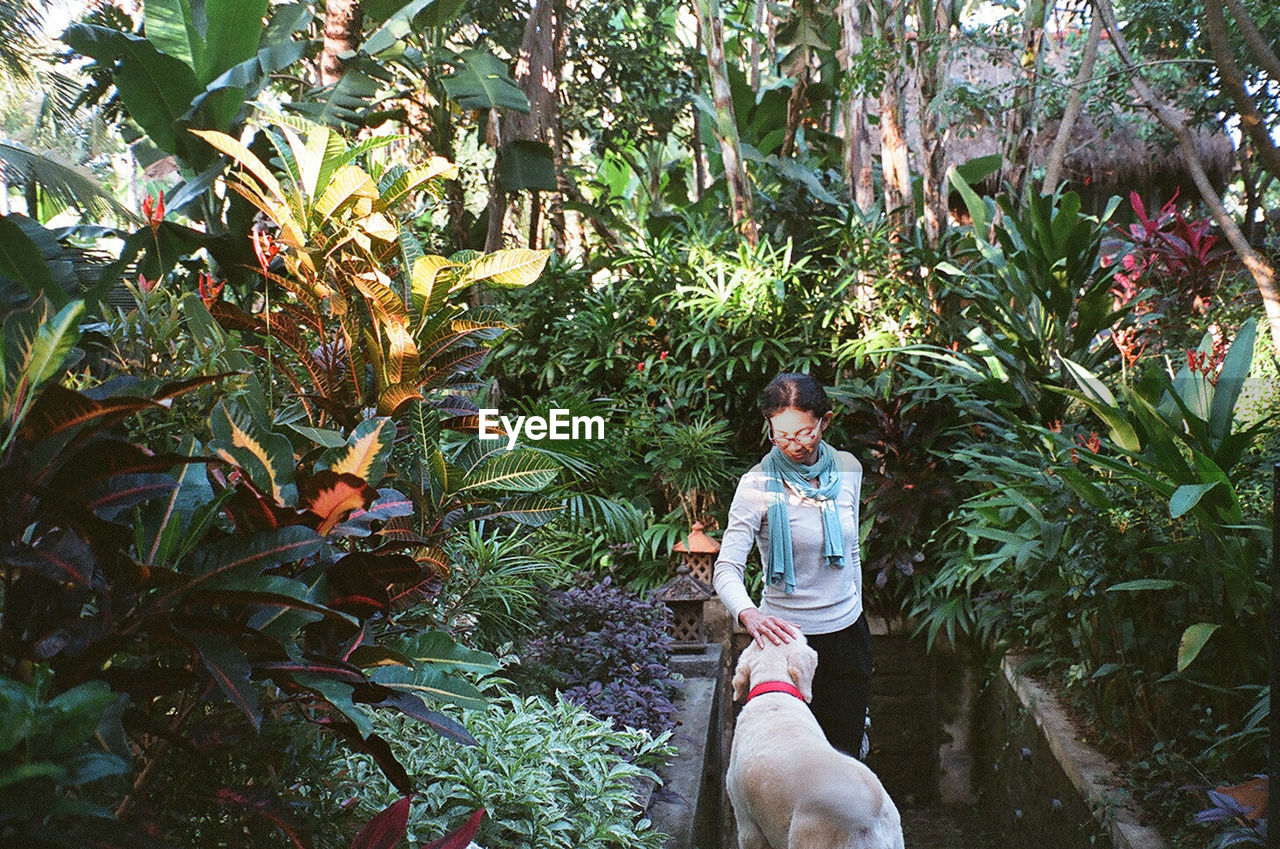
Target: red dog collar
point(775, 687)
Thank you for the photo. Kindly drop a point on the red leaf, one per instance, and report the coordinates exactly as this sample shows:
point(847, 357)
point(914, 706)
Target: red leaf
point(332, 670)
point(461, 838)
point(60, 556)
point(59, 408)
point(376, 747)
point(390, 505)
point(456, 405)
point(386, 829)
point(230, 669)
point(332, 496)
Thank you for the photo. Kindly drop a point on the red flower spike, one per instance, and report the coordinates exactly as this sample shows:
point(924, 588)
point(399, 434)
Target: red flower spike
point(206, 288)
point(153, 210)
point(265, 248)
point(147, 285)
point(663, 356)
point(640, 367)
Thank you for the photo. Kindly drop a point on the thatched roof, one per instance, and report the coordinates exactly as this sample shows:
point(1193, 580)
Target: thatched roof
point(1111, 152)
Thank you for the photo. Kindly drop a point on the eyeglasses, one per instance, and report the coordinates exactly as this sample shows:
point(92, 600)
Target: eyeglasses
point(805, 437)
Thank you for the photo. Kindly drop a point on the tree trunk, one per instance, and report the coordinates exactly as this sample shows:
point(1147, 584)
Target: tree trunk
point(1020, 123)
point(559, 230)
point(535, 74)
point(895, 160)
point(735, 169)
point(343, 20)
point(1071, 114)
point(1267, 59)
point(700, 166)
point(857, 140)
point(762, 9)
point(1251, 121)
point(1249, 184)
point(1263, 274)
point(497, 208)
point(933, 46)
point(796, 104)
point(699, 155)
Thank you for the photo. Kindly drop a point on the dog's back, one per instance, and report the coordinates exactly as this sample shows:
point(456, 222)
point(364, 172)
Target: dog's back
point(789, 787)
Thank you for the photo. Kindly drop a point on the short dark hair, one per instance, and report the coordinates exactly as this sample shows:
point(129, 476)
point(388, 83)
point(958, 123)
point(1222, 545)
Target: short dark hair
point(801, 391)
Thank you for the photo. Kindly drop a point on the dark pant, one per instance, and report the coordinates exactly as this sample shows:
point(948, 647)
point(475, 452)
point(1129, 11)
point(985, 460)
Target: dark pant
point(842, 684)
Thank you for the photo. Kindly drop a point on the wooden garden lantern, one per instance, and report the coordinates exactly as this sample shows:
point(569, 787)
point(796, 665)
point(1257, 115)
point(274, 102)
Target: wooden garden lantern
point(686, 596)
point(698, 552)
point(688, 592)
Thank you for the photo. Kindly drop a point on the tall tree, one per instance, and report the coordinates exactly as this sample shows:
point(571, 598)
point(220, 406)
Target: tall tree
point(735, 169)
point(343, 21)
point(1075, 106)
point(933, 56)
point(1020, 119)
point(857, 138)
point(536, 73)
point(1252, 121)
point(889, 22)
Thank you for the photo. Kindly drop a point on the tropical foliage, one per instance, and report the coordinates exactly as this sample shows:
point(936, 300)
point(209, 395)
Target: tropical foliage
point(262, 265)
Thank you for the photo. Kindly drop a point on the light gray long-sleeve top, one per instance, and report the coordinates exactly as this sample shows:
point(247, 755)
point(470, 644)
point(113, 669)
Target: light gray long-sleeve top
point(826, 598)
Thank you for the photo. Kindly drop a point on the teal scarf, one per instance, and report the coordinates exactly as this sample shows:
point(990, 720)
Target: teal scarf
point(778, 469)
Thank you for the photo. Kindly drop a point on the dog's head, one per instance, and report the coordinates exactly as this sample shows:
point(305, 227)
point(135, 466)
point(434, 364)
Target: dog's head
point(794, 662)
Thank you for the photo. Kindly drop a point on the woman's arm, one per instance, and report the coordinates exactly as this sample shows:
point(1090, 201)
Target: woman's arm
point(746, 514)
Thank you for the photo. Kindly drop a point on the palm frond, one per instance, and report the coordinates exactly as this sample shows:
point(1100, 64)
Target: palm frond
point(618, 520)
point(66, 183)
point(21, 37)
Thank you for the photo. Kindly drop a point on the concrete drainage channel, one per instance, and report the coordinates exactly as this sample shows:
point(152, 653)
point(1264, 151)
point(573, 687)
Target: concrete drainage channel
point(969, 766)
point(1045, 786)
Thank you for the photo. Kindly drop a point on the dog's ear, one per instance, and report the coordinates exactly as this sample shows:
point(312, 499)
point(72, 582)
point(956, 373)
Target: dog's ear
point(742, 673)
point(801, 663)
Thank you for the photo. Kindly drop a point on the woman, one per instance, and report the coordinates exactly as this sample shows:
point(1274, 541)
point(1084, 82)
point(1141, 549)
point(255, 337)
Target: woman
point(799, 506)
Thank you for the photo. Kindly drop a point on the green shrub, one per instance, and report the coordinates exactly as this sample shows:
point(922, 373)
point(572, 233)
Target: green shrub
point(546, 772)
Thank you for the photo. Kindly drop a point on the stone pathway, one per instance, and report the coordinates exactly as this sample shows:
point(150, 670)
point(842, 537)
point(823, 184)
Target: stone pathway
point(939, 827)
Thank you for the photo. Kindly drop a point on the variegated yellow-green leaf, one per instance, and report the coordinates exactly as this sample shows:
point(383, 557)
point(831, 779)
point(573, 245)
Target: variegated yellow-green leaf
point(524, 471)
point(380, 227)
point(393, 398)
point(435, 168)
point(531, 510)
point(365, 454)
point(243, 157)
point(290, 231)
point(516, 267)
point(402, 354)
point(426, 273)
point(267, 458)
point(347, 184)
point(429, 683)
point(439, 649)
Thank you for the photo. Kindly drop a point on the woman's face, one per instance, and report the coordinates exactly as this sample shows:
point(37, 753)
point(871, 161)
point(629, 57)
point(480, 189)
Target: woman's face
point(797, 433)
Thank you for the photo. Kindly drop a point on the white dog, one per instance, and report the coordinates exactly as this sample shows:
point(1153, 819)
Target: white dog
point(789, 787)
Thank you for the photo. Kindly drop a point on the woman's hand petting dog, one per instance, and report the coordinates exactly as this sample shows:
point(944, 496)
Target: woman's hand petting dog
point(772, 628)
